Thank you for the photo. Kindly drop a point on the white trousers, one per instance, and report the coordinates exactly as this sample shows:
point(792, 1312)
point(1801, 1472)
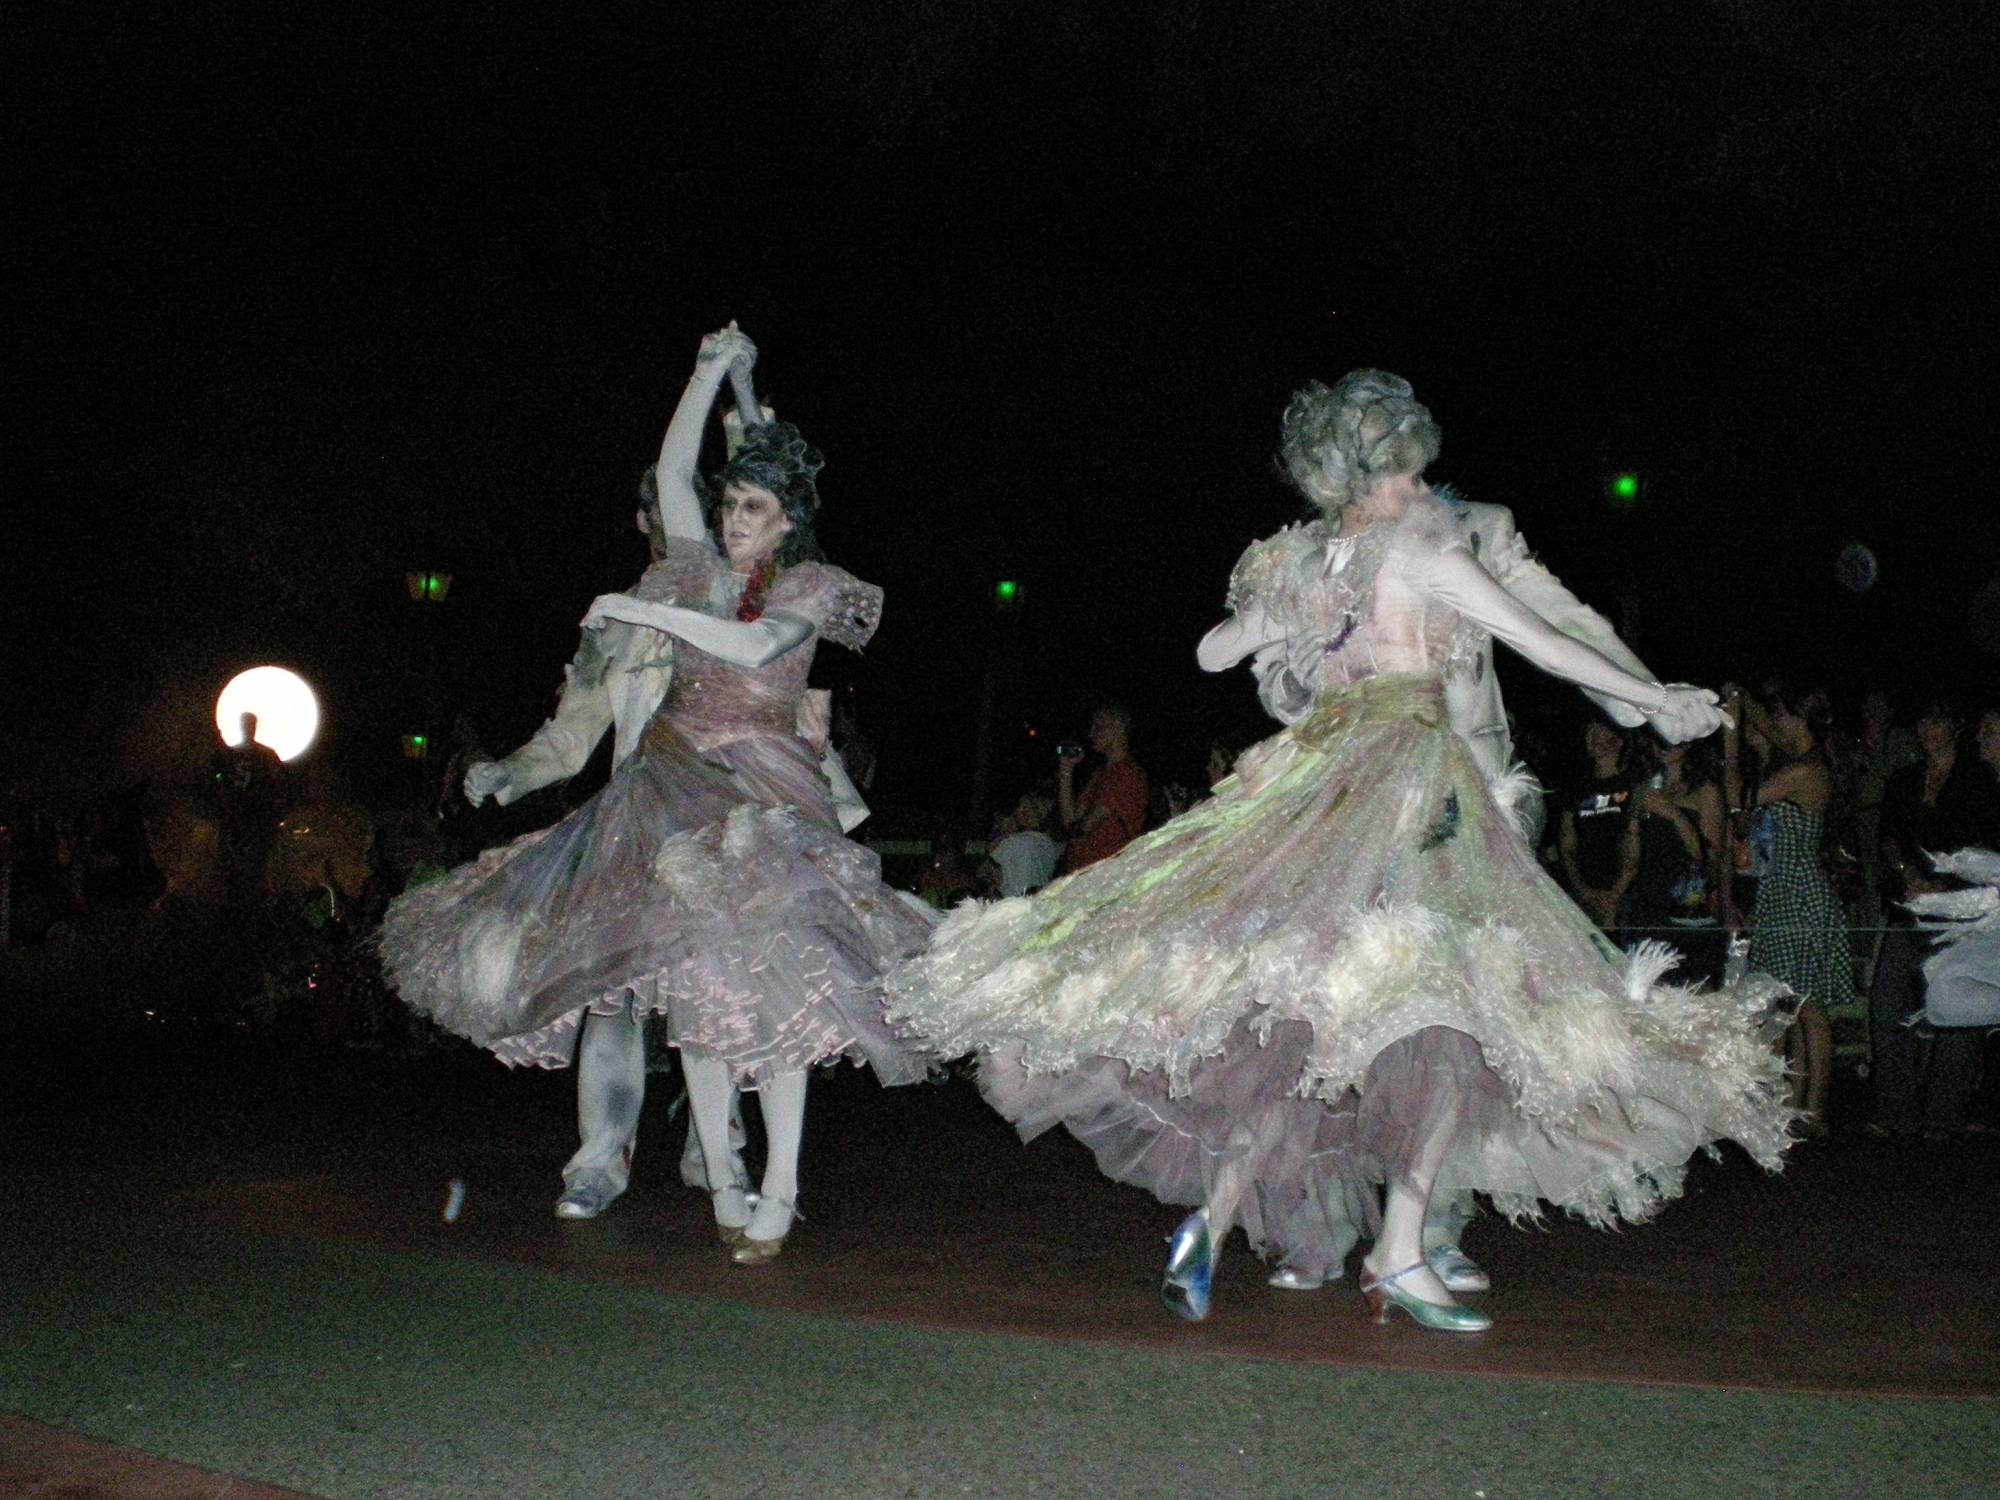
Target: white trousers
point(610, 1093)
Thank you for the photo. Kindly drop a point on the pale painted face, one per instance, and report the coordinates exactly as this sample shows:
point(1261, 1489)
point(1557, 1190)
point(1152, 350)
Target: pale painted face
point(752, 524)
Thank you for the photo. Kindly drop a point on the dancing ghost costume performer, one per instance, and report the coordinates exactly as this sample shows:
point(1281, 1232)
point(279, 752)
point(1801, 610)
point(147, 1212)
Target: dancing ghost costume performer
point(709, 883)
point(616, 682)
point(1347, 968)
point(1287, 671)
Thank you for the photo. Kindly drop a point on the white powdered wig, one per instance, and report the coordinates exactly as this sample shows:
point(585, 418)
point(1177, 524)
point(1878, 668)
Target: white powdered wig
point(1338, 443)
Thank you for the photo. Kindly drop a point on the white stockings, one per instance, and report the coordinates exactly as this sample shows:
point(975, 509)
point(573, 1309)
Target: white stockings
point(782, 1099)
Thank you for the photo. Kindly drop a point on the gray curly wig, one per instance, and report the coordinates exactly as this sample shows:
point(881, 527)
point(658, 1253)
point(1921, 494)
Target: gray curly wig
point(776, 457)
point(1337, 443)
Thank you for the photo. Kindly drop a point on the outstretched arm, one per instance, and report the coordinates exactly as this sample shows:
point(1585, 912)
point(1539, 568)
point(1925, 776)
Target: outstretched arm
point(1285, 694)
point(1456, 579)
point(562, 745)
point(680, 449)
point(1516, 569)
point(1243, 634)
point(752, 643)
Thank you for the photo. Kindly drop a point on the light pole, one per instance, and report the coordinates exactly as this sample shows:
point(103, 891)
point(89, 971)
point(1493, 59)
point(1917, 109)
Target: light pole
point(427, 588)
point(1007, 608)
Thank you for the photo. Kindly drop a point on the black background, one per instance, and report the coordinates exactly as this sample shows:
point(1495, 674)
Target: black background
point(308, 295)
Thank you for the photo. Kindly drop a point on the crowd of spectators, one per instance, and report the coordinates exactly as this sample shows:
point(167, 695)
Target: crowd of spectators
point(1805, 836)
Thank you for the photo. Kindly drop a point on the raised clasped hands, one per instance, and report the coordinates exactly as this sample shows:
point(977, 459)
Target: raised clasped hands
point(727, 349)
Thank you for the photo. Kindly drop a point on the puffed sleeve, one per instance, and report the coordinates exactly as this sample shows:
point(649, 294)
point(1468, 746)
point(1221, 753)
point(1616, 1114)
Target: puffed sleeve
point(1271, 577)
point(1267, 608)
point(841, 608)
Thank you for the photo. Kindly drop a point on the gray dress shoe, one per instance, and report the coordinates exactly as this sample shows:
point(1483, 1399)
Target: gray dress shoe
point(585, 1198)
point(1288, 1278)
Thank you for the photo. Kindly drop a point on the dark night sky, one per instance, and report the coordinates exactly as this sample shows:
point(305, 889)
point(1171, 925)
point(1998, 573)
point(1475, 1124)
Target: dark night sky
point(305, 298)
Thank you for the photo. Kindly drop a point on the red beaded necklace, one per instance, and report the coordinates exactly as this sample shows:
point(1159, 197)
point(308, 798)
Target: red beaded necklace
point(751, 605)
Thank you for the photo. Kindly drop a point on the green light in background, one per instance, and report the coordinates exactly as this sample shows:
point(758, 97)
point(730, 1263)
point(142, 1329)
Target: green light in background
point(427, 587)
point(1006, 593)
point(1625, 488)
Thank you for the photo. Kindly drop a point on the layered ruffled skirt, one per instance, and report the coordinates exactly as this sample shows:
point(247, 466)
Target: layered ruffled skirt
point(693, 887)
point(1348, 944)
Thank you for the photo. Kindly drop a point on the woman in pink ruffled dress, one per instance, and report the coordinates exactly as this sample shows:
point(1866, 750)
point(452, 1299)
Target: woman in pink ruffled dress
point(709, 883)
point(1346, 974)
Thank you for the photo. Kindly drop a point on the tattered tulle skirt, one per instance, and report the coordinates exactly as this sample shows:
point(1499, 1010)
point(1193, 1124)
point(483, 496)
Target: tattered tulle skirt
point(1347, 945)
point(692, 886)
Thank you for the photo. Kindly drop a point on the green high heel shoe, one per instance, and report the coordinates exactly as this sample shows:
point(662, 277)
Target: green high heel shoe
point(1383, 1293)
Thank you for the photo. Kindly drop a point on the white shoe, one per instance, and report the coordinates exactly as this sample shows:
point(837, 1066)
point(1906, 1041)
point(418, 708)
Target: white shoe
point(1458, 1271)
point(586, 1197)
point(1292, 1279)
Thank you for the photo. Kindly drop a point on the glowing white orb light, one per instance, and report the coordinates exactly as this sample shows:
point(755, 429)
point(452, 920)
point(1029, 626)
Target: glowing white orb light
point(287, 713)
point(1857, 569)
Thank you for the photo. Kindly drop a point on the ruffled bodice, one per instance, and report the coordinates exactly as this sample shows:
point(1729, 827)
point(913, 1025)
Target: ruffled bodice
point(713, 702)
point(1352, 608)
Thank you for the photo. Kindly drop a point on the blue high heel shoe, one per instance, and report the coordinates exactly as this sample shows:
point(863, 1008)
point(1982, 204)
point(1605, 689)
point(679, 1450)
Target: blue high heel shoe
point(1383, 1293)
point(1190, 1269)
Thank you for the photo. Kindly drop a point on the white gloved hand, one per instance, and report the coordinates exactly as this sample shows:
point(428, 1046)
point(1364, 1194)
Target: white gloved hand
point(606, 608)
point(483, 779)
point(1691, 713)
point(723, 348)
